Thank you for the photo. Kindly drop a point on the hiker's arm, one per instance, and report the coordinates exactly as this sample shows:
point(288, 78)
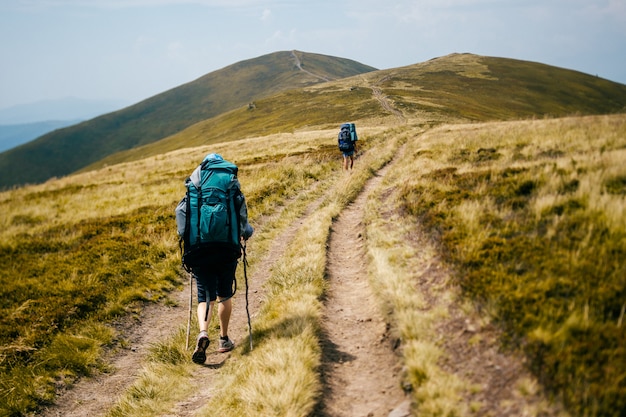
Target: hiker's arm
point(181, 216)
point(245, 230)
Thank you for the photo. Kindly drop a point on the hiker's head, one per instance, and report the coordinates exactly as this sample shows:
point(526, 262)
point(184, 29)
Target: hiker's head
point(213, 157)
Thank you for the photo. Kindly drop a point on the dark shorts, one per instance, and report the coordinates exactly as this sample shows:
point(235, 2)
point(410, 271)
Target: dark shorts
point(348, 153)
point(215, 279)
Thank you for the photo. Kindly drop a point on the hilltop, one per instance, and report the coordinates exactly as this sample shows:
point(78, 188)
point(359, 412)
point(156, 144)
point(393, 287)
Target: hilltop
point(453, 88)
point(67, 150)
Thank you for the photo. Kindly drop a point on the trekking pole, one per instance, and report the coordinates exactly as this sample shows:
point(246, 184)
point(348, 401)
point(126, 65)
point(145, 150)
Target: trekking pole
point(245, 274)
point(190, 307)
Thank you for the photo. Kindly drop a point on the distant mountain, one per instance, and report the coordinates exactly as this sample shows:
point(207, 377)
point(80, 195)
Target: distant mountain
point(286, 91)
point(22, 123)
point(67, 150)
point(449, 89)
point(18, 134)
point(65, 109)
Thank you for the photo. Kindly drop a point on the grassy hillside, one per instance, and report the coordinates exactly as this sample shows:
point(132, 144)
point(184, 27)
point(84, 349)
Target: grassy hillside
point(530, 213)
point(533, 216)
point(93, 247)
point(452, 88)
point(67, 150)
point(475, 88)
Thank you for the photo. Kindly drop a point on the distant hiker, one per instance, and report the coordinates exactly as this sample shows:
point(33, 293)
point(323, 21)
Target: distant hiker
point(346, 140)
point(212, 222)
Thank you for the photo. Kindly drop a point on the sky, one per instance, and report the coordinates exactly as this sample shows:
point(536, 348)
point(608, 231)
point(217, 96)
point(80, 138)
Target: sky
point(130, 50)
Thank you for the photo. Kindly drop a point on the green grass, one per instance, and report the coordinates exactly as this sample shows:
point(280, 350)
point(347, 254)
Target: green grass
point(56, 282)
point(532, 216)
point(93, 247)
point(530, 213)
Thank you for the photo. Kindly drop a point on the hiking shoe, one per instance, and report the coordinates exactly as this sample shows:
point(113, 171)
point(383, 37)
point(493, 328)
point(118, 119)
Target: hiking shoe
point(226, 345)
point(199, 355)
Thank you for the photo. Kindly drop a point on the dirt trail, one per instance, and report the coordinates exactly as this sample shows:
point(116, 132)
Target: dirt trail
point(299, 65)
point(94, 396)
point(361, 370)
point(384, 101)
point(238, 323)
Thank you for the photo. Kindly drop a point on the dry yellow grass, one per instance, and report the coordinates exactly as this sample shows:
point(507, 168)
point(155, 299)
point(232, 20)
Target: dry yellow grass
point(255, 383)
point(584, 154)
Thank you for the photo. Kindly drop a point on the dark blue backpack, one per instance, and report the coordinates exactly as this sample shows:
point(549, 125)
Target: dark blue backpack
point(208, 217)
point(347, 137)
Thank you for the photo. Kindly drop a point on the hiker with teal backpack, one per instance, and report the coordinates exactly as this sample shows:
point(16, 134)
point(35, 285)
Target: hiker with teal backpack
point(212, 223)
point(346, 140)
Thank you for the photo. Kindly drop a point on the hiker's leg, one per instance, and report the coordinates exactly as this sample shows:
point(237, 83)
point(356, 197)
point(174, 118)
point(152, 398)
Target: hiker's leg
point(206, 282)
point(224, 293)
point(204, 317)
point(202, 284)
point(206, 301)
point(224, 310)
point(345, 162)
point(351, 161)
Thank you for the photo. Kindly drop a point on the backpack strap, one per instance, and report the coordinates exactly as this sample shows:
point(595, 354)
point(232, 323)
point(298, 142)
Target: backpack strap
point(185, 236)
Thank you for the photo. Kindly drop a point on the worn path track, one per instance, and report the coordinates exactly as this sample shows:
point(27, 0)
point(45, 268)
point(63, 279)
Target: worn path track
point(95, 396)
point(238, 325)
point(361, 370)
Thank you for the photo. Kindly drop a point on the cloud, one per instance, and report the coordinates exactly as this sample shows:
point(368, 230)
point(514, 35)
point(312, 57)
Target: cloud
point(141, 42)
point(122, 4)
point(611, 10)
point(266, 15)
point(175, 50)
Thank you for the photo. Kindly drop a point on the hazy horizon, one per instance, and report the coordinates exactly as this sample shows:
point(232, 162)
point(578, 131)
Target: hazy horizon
point(130, 50)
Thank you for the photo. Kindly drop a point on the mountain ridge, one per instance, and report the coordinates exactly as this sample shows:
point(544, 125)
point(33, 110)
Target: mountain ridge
point(13, 135)
point(453, 88)
point(290, 90)
point(62, 109)
point(67, 150)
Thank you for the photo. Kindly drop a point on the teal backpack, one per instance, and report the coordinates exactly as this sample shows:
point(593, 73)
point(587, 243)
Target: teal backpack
point(207, 218)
